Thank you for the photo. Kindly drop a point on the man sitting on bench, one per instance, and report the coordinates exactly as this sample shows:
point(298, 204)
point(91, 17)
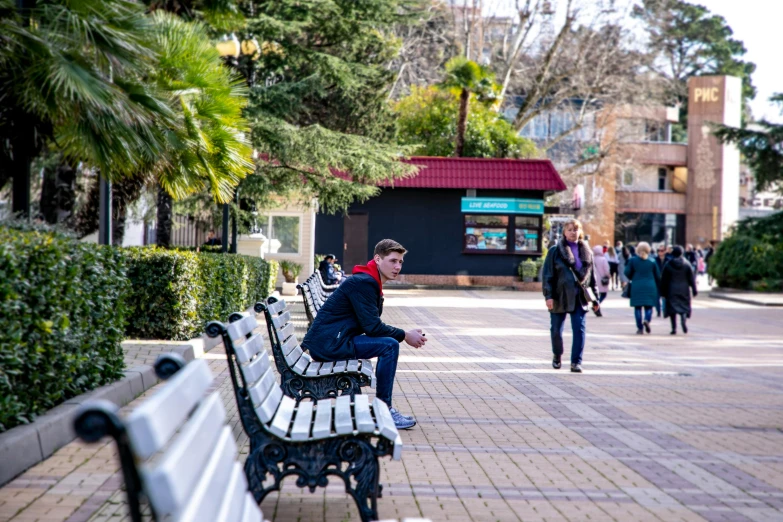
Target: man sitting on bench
point(349, 326)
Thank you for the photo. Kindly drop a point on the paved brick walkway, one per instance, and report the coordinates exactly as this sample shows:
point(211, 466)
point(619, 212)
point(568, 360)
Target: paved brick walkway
point(657, 428)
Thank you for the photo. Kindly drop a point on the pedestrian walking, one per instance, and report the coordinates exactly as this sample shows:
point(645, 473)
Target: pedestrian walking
point(568, 269)
point(645, 280)
point(661, 259)
point(602, 274)
point(708, 252)
point(611, 258)
point(691, 256)
point(677, 283)
point(622, 259)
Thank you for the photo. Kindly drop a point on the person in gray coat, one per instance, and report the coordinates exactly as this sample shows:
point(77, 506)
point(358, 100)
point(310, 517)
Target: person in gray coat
point(568, 268)
point(645, 281)
point(677, 283)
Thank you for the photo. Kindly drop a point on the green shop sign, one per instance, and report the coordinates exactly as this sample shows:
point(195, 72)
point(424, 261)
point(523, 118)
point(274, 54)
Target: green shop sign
point(503, 205)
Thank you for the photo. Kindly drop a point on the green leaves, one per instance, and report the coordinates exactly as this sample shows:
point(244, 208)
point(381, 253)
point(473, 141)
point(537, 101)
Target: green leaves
point(175, 293)
point(761, 147)
point(62, 318)
point(427, 120)
point(752, 256)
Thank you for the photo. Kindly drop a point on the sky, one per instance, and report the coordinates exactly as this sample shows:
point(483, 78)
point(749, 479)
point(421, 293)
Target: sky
point(754, 22)
point(757, 23)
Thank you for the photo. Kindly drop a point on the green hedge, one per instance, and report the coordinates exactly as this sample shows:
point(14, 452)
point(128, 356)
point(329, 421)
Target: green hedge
point(62, 318)
point(175, 293)
point(752, 256)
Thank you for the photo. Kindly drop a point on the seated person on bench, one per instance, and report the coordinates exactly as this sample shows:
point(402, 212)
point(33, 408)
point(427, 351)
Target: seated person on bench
point(328, 273)
point(349, 325)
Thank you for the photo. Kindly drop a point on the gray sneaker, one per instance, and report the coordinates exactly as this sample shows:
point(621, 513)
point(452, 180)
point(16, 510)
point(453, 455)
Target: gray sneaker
point(402, 422)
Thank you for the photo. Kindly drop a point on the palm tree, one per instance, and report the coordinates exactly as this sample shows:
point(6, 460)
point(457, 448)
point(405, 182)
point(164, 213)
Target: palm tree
point(208, 143)
point(468, 77)
point(72, 74)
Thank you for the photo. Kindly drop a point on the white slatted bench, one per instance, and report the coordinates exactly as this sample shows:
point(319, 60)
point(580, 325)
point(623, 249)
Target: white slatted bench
point(309, 439)
point(300, 376)
point(176, 449)
point(311, 309)
point(326, 288)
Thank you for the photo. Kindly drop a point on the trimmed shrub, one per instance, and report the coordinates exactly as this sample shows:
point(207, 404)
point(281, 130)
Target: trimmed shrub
point(62, 319)
point(752, 257)
point(175, 293)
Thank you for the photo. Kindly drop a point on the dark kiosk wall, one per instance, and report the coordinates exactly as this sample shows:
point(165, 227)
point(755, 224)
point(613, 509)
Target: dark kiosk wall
point(429, 223)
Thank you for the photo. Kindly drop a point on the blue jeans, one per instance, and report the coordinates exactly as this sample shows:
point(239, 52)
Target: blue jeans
point(578, 329)
point(637, 312)
point(387, 350)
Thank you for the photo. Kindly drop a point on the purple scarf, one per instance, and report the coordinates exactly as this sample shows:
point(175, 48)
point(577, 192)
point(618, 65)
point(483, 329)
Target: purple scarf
point(575, 250)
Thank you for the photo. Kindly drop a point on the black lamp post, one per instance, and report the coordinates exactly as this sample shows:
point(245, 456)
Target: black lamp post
point(237, 54)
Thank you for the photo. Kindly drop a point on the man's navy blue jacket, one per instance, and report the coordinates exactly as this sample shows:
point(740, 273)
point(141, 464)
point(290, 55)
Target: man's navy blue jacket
point(353, 309)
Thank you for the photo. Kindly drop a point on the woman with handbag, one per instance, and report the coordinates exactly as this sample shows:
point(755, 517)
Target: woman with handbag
point(645, 280)
point(568, 279)
point(602, 272)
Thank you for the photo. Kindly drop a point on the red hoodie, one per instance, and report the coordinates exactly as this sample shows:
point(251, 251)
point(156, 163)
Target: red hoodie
point(370, 268)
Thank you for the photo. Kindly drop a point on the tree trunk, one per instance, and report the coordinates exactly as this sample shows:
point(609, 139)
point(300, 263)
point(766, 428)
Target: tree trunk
point(165, 217)
point(462, 122)
point(58, 194)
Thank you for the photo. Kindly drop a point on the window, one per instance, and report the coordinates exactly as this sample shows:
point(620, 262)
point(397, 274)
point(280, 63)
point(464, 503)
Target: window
point(526, 233)
point(490, 233)
point(662, 175)
point(282, 233)
point(628, 178)
point(486, 232)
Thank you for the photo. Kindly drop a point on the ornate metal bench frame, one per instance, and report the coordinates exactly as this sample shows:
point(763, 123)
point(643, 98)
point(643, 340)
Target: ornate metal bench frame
point(310, 461)
point(301, 386)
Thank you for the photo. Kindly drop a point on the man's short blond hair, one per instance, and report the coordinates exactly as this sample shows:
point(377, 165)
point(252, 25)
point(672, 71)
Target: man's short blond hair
point(387, 246)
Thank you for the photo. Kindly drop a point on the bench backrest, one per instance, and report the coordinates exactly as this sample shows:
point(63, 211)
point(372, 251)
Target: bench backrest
point(282, 336)
point(182, 452)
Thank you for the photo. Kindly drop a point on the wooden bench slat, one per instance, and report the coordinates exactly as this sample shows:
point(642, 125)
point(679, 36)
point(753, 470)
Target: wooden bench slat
point(366, 365)
point(285, 332)
point(294, 355)
point(252, 513)
point(343, 421)
point(171, 480)
point(247, 350)
point(326, 368)
point(353, 365)
point(397, 453)
point(282, 420)
point(289, 344)
point(340, 366)
point(301, 365)
point(239, 329)
point(260, 390)
point(322, 427)
point(384, 420)
point(281, 320)
point(303, 421)
point(152, 424)
point(268, 408)
point(364, 420)
point(312, 370)
point(256, 368)
point(206, 497)
point(233, 506)
point(275, 308)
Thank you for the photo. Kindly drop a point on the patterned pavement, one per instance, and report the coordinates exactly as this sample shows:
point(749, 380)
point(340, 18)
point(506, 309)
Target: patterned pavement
point(658, 427)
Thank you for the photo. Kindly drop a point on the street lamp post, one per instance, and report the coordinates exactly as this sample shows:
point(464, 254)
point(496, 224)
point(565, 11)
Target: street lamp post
point(232, 51)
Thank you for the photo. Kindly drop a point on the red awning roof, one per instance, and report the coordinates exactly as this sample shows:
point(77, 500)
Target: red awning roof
point(482, 173)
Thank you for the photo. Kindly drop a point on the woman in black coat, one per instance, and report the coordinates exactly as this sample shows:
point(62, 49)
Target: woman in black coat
point(677, 283)
point(567, 269)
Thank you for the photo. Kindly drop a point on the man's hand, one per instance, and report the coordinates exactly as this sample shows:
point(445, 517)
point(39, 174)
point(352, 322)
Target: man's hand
point(415, 338)
point(550, 303)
